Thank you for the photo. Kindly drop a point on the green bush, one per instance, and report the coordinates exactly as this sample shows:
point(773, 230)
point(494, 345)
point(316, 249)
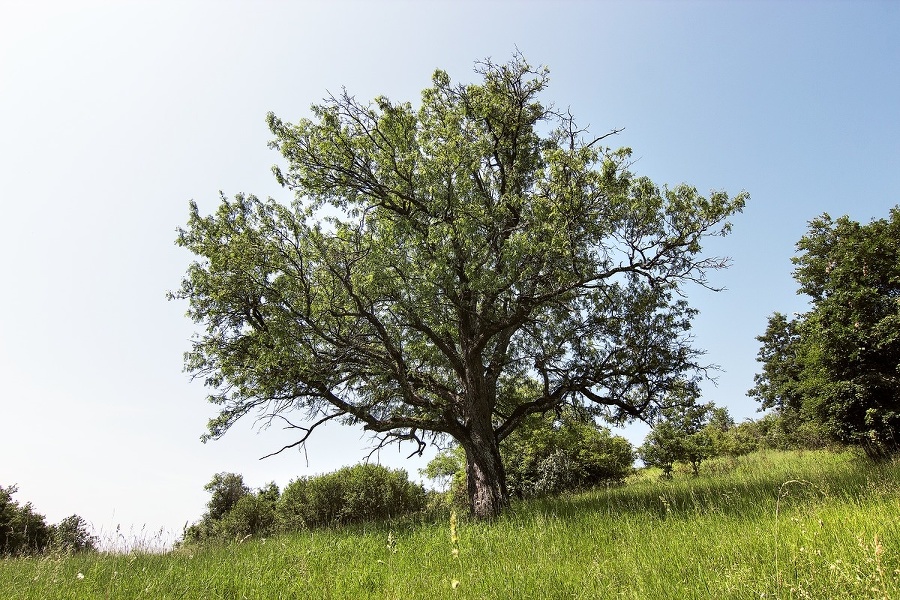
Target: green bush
point(72, 535)
point(773, 432)
point(233, 511)
point(364, 492)
point(551, 454)
point(254, 514)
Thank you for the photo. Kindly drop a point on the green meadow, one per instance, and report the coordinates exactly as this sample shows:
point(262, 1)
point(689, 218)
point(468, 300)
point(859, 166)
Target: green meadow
point(769, 525)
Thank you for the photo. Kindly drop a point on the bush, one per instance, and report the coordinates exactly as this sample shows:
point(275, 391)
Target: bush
point(773, 432)
point(233, 511)
point(552, 454)
point(364, 492)
point(72, 535)
point(253, 514)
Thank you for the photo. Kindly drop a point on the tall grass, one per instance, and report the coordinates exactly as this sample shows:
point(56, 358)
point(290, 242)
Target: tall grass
point(773, 525)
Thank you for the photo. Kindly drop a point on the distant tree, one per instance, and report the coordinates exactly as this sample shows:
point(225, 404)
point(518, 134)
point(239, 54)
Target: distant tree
point(435, 258)
point(838, 365)
point(660, 448)
point(22, 530)
point(717, 427)
point(73, 534)
point(234, 511)
point(683, 435)
point(226, 490)
point(252, 514)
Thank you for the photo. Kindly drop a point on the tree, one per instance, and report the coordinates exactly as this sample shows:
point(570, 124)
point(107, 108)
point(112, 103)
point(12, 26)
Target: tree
point(683, 435)
point(72, 534)
point(660, 448)
point(838, 365)
point(433, 260)
point(226, 490)
point(234, 511)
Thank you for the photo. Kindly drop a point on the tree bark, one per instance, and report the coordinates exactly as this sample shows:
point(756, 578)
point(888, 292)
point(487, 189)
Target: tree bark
point(485, 476)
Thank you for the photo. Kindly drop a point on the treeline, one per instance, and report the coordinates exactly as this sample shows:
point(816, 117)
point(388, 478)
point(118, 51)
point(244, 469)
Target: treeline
point(25, 532)
point(691, 434)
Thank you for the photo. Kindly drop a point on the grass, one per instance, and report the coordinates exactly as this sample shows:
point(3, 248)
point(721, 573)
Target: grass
point(771, 525)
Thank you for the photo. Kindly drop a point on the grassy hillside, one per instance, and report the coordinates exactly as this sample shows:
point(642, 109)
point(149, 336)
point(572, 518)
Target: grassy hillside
point(772, 525)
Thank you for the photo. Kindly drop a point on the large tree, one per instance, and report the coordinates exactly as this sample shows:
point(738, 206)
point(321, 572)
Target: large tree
point(838, 365)
point(436, 261)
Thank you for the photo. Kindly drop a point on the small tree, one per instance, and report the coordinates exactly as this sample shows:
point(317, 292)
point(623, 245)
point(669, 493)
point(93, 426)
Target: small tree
point(73, 534)
point(234, 511)
point(660, 448)
point(252, 514)
point(226, 490)
point(683, 436)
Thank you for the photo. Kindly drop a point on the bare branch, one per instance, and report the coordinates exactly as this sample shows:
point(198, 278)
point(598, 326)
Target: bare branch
point(308, 430)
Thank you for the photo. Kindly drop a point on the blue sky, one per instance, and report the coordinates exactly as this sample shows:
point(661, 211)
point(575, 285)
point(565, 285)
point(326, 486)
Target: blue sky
point(113, 115)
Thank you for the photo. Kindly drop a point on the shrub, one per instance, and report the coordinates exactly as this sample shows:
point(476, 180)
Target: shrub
point(364, 492)
point(233, 511)
point(226, 490)
point(254, 514)
point(553, 453)
point(72, 535)
point(774, 431)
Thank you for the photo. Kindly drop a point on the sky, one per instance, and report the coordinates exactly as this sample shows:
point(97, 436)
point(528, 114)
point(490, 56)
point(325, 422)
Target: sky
point(114, 115)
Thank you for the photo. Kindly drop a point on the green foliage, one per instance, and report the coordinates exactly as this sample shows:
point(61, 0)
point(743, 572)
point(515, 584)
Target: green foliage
point(22, 530)
point(551, 454)
point(686, 434)
point(72, 534)
point(226, 490)
point(660, 448)
point(774, 431)
point(234, 511)
point(364, 492)
point(838, 365)
point(253, 514)
point(437, 257)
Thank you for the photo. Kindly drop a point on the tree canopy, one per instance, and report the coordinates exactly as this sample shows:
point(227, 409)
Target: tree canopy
point(447, 270)
point(838, 364)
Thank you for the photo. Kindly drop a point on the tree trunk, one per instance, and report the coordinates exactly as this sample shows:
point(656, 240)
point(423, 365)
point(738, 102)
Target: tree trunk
point(485, 476)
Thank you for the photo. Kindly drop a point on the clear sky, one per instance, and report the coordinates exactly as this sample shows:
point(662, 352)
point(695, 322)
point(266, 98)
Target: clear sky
point(113, 115)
